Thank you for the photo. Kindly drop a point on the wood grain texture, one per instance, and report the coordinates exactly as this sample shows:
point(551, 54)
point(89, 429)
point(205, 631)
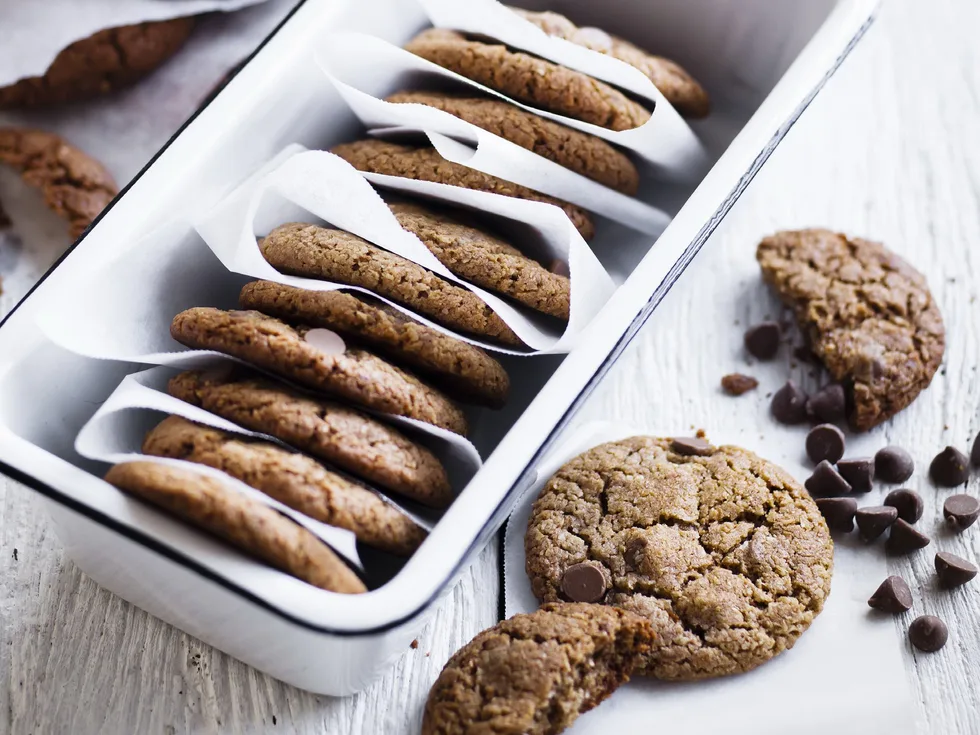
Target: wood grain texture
point(889, 151)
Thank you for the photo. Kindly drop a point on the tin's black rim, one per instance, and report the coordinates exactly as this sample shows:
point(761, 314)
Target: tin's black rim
point(527, 474)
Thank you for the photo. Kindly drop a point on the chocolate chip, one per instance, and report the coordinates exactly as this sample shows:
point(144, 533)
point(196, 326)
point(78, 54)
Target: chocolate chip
point(805, 354)
point(928, 633)
point(892, 596)
point(961, 511)
point(859, 473)
point(691, 446)
point(875, 520)
point(789, 404)
point(583, 582)
point(975, 452)
point(904, 539)
point(825, 442)
point(908, 503)
point(828, 404)
point(893, 464)
point(762, 340)
point(953, 570)
point(559, 268)
point(950, 468)
point(838, 512)
point(826, 481)
point(737, 384)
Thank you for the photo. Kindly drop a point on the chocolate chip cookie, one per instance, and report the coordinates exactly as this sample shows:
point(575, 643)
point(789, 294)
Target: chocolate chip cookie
point(292, 479)
point(865, 313)
point(334, 255)
point(74, 185)
point(102, 63)
point(479, 257)
point(313, 358)
point(723, 552)
point(351, 440)
point(679, 87)
point(463, 371)
point(425, 164)
point(245, 523)
point(530, 79)
point(580, 152)
point(535, 674)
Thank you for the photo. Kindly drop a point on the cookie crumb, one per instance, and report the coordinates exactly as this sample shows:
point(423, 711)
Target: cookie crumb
point(414, 644)
point(737, 384)
point(15, 554)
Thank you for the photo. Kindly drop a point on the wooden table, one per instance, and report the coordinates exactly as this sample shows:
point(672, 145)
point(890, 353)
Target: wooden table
point(890, 150)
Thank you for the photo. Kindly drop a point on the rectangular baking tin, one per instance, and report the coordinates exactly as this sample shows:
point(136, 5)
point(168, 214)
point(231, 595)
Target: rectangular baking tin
point(763, 60)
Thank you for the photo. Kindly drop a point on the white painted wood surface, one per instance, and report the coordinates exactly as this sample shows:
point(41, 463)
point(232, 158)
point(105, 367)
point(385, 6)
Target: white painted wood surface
point(890, 150)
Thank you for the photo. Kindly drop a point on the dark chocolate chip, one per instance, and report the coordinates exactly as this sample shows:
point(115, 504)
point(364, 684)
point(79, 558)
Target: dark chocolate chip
point(908, 503)
point(961, 511)
point(904, 539)
point(691, 446)
point(789, 404)
point(975, 452)
point(805, 354)
point(583, 582)
point(828, 404)
point(892, 596)
point(950, 468)
point(928, 633)
point(859, 473)
point(762, 340)
point(953, 570)
point(838, 512)
point(737, 384)
point(559, 268)
point(875, 520)
point(893, 464)
point(825, 442)
point(826, 481)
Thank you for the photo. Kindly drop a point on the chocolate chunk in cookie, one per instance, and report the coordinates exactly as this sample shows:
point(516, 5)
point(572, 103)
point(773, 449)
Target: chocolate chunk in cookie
point(580, 152)
point(102, 63)
point(425, 164)
point(349, 439)
point(866, 313)
point(334, 255)
point(535, 674)
point(530, 79)
point(297, 354)
point(247, 524)
point(694, 544)
point(74, 185)
point(291, 478)
point(463, 371)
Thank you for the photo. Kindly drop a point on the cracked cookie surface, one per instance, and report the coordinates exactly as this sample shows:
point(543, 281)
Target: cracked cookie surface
point(725, 554)
point(102, 63)
point(866, 314)
point(534, 674)
point(74, 185)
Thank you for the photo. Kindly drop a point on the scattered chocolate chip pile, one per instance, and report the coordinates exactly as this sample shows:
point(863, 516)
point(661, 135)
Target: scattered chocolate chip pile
point(737, 384)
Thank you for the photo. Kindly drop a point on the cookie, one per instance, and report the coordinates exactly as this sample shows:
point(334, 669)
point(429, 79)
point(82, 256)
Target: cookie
point(681, 89)
point(487, 261)
point(245, 523)
point(535, 674)
point(580, 152)
point(724, 553)
point(74, 185)
point(297, 354)
point(865, 313)
point(334, 255)
point(463, 371)
point(292, 479)
point(348, 439)
point(530, 79)
point(102, 63)
point(425, 164)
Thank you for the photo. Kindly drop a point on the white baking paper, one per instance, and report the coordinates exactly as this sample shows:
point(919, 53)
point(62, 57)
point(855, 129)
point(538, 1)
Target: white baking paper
point(364, 69)
point(316, 185)
point(844, 675)
point(665, 140)
point(34, 32)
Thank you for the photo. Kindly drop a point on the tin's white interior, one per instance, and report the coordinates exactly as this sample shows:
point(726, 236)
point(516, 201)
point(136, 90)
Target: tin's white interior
point(760, 59)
